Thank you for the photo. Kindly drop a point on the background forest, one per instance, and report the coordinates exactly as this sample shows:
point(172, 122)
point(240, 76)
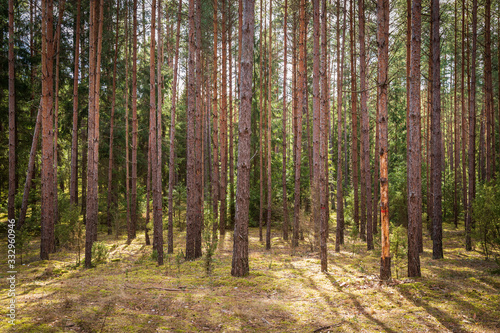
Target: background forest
point(127, 117)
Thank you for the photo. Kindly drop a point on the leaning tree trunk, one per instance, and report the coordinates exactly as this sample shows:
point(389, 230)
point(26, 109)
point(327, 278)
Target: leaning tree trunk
point(12, 117)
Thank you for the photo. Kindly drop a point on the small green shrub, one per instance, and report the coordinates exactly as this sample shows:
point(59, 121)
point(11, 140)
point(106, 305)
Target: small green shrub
point(100, 252)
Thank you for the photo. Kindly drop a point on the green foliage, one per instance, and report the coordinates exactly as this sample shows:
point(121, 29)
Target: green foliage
point(398, 197)
point(210, 243)
point(99, 252)
point(486, 214)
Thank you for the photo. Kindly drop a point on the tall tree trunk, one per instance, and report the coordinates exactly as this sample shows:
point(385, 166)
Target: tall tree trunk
point(284, 146)
point(73, 187)
point(324, 124)
point(414, 146)
point(436, 141)
point(365, 128)
point(193, 214)
point(261, 111)
point(215, 132)
point(472, 132)
point(316, 125)
point(340, 78)
point(157, 182)
point(47, 207)
point(354, 114)
point(127, 148)
point(488, 87)
point(455, 124)
point(111, 124)
point(198, 143)
point(12, 117)
point(239, 266)
point(135, 128)
point(57, 49)
point(302, 108)
point(269, 130)
point(153, 140)
point(171, 161)
point(223, 127)
point(96, 19)
point(231, 123)
point(382, 90)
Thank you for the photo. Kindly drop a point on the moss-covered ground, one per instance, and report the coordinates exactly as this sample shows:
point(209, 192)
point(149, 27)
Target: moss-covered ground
point(284, 292)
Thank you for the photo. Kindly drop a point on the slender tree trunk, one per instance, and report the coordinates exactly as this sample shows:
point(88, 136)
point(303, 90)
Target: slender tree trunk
point(56, 108)
point(488, 87)
point(324, 124)
point(382, 90)
point(269, 131)
point(414, 146)
point(436, 141)
point(12, 117)
point(261, 110)
point(127, 148)
point(472, 132)
point(231, 124)
point(47, 207)
point(316, 125)
point(354, 114)
point(455, 124)
point(198, 143)
point(365, 127)
point(340, 78)
point(239, 265)
point(73, 190)
point(284, 147)
point(193, 214)
point(135, 128)
point(215, 133)
point(223, 127)
point(157, 188)
point(302, 107)
point(153, 140)
point(111, 123)
point(171, 161)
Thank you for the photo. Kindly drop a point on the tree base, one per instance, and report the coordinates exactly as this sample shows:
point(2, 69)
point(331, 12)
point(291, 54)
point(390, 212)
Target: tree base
point(385, 268)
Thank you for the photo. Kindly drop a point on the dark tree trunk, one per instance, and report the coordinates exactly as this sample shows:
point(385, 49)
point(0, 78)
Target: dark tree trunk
point(215, 133)
point(354, 114)
point(223, 127)
point(472, 132)
point(436, 141)
point(239, 265)
point(414, 146)
point(269, 130)
point(301, 109)
point(488, 87)
point(73, 187)
point(261, 173)
point(365, 135)
point(284, 147)
point(12, 117)
point(135, 127)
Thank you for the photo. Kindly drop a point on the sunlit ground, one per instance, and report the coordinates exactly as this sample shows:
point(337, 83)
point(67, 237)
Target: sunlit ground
point(283, 293)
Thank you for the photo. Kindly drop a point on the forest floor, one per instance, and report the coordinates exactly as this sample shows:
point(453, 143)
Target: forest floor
point(283, 293)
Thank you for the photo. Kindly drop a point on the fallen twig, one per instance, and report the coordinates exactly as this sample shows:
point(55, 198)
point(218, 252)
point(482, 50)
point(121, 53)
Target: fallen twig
point(159, 288)
point(328, 327)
